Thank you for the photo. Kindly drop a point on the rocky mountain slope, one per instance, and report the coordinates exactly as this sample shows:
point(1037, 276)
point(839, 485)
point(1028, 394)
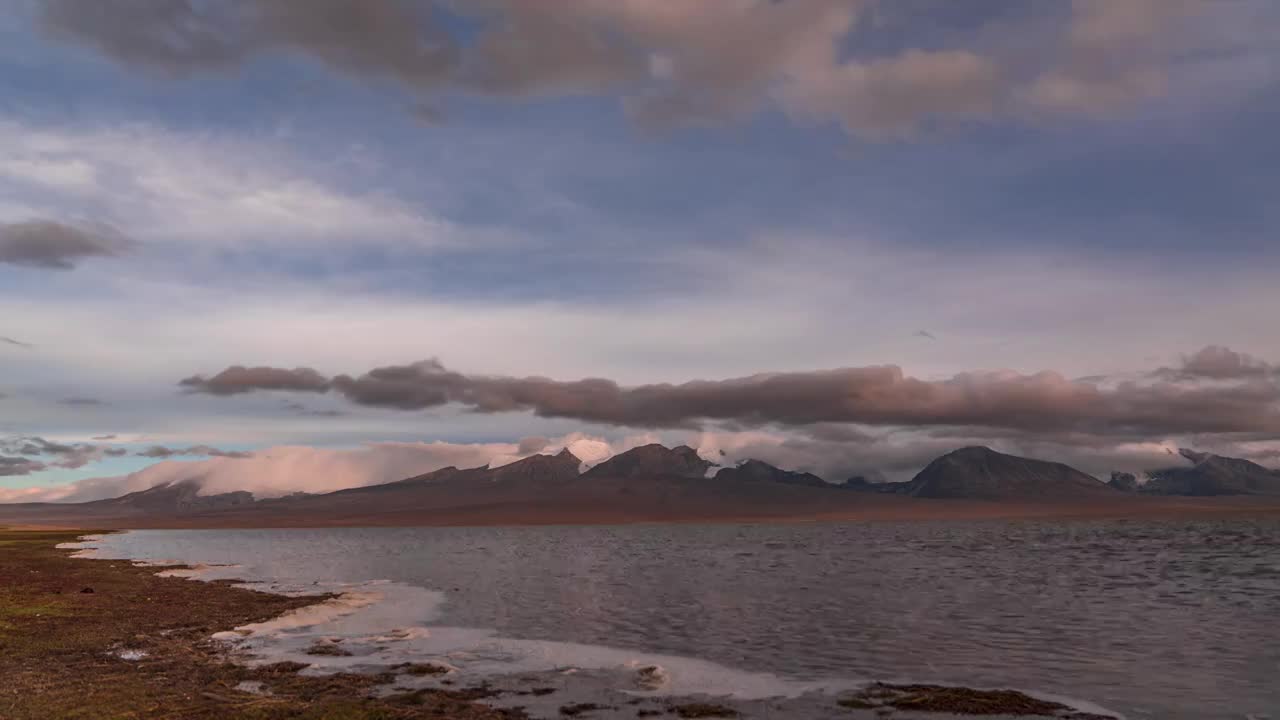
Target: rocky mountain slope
point(980, 473)
point(1207, 475)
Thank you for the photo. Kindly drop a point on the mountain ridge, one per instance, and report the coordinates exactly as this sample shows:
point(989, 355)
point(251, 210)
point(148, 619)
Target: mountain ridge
point(1208, 475)
point(649, 482)
point(978, 472)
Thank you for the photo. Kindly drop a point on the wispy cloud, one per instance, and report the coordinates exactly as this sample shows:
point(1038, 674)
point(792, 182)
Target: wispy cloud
point(60, 455)
point(81, 401)
point(247, 193)
point(161, 452)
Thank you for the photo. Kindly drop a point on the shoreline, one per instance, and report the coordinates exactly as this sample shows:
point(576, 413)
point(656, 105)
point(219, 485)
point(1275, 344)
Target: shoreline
point(108, 638)
point(874, 509)
point(143, 642)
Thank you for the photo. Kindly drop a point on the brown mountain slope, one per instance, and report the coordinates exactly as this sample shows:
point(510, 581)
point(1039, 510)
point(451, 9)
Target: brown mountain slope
point(980, 473)
point(653, 460)
point(1213, 475)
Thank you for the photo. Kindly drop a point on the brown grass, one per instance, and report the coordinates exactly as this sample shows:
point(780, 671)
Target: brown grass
point(59, 645)
point(959, 701)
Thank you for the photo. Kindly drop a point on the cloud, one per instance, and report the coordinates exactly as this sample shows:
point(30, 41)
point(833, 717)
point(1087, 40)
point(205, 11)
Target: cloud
point(671, 62)
point(300, 409)
point(924, 334)
point(159, 451)
point(840, 452)
point(78, 401)
point(533, 444)
point(239, 379)
point(892, 97)
point(68, 455)
point(367, 38)
point(15, 343)
point(1215, 362)
point(876, 395)
point(1115, 53)
point(13, 466)
point(250, 191)
point(281, 470)
point(103, 437)
point(52, 245)
point(77, 455)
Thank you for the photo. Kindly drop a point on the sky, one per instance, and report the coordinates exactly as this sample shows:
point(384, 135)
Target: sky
point(287, 245)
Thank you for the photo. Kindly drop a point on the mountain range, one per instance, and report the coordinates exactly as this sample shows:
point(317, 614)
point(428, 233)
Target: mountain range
point(1208, 475)
point(656, 483)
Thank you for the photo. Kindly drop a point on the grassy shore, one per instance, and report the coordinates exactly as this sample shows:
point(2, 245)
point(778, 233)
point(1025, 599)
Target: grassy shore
point(64, 624)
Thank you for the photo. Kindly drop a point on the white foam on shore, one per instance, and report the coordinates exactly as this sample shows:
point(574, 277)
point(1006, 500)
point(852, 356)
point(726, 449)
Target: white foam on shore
point(84, 547)
point(321, 613)
point(129, 655)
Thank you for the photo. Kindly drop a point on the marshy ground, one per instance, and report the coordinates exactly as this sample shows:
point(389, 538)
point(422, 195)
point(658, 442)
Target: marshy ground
point(106, 640)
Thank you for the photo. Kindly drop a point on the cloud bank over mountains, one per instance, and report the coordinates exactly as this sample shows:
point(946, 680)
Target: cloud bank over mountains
point(1166, 402)
point(278, 471)
point(873, 422)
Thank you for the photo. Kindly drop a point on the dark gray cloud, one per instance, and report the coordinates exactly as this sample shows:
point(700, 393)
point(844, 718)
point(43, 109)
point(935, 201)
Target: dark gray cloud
point(103, 437)
point(52, 245)
point(1216, 362)
point(53, 454)
point(16, 343)
point(81, 401)
point(239, 379)
point(50, 448)
point(14, 466)
point(876, 396)
point(64, 455)
point(160, 452)
point(300, 409)
point(697, 61)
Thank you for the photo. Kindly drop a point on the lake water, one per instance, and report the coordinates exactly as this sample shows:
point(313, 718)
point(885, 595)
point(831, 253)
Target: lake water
point(1147, 619)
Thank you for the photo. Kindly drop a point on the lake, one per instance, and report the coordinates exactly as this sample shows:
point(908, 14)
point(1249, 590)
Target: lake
point(1148, 619)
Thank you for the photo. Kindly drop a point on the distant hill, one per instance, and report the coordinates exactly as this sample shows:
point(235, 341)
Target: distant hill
point(656, 483)
point(653, 460)
point(175, 497)
point(1210, 475)
point(861, 484)
point(650, 482)
point(980, 473)
point(757, 471)
point(1124, 482)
